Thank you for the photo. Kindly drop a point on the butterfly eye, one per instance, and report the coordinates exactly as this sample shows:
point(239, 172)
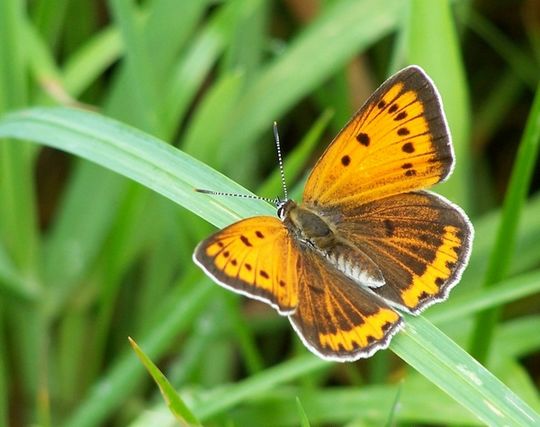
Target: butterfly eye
point(281, 207)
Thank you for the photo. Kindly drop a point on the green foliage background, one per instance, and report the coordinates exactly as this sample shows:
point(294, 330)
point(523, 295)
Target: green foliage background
point(95, 247)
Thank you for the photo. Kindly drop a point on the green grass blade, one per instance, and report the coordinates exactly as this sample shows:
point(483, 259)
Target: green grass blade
point(527, 243)
point(440, 360)
point(48, 17)
point(321, 49)
point(4, 380)
point(18, 212)
point(428, 17)
point(395, 407)
point(12, 283)
point(136, 155)
point(118, 382)
point(520, 62)
point(189, 73)
point(203, 141)
point(18, 223)
point(295, 162)
point(368, 405)
point(304, 420)
point(225, 398)
point(89, 62)
point(174, 22)
point(174, 402)
point(72, 245)
point(518, 337)
point(140, 76)
point(504, 246)
point(478, 299)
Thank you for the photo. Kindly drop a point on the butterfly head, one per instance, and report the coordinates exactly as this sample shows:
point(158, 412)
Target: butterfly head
point(284, 207)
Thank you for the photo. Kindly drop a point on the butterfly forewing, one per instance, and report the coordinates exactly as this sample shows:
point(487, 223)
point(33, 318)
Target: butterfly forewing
point(255, 257)
point(397, 142)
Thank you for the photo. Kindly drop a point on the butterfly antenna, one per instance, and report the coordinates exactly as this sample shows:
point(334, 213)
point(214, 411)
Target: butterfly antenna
point(245, 196)
point(280, 161)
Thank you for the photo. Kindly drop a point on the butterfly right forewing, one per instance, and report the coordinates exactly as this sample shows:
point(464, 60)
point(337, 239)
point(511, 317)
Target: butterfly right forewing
point(397, 142)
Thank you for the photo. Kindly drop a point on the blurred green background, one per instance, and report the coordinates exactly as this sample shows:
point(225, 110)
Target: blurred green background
point(89, 257)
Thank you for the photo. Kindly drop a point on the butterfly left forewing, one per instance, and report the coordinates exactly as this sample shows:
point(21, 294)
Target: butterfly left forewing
point(337, 319)
point(254, 257)
point(397, 142)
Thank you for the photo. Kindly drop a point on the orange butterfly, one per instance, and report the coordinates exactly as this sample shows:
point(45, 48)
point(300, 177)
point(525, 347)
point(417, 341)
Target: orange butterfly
point(366, 239)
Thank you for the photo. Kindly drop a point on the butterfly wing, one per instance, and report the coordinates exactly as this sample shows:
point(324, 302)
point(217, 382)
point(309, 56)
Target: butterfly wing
point(420, 241)
point(336, 318)
point(254, 257)
point(397, 142)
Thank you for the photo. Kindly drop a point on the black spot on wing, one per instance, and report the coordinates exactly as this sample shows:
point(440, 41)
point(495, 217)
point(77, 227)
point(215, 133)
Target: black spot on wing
point(245, 241)
point(400, 116)
point(408, 147)
point(363, 138)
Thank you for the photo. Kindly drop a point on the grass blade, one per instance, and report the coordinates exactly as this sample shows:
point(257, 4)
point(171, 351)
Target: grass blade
point(427, 17)
point(323, 47)
point(136, 155)
point(504, 246)
point(174, 402)
point(441, 361)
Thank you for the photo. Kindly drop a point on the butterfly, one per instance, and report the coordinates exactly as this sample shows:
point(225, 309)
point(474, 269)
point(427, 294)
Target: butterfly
point(368, 240)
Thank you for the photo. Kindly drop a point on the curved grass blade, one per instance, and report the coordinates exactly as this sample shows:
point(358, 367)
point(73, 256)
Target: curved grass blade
point(174, 402)
point(136, 155)
point(449, 367)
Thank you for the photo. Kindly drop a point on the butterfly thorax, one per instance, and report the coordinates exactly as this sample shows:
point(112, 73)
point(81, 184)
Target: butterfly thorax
point(307, 226)
point(318, 233)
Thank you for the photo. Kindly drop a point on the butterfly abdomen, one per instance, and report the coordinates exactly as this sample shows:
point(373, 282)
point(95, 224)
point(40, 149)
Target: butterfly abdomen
point(355, 264)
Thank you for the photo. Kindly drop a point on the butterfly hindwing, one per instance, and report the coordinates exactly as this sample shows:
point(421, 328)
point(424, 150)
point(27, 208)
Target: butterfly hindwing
point(420, 241)
point(397, 142)
point(254, 257)
point(335, 317)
